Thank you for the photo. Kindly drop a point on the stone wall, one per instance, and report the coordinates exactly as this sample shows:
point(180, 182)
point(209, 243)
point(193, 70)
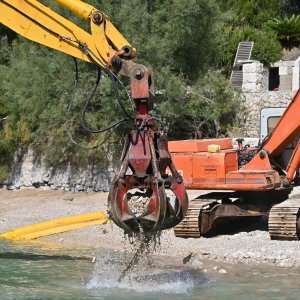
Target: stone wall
point(29, 171)
point(252, 77)
point(257, 96)
point(254, 102)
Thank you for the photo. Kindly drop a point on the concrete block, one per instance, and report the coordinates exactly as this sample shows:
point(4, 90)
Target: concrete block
point(286, 83)
point(249, 78)
point(259, 87)
point(256, 67)
point(296, 78)
point(249, 87)
point(285, 70)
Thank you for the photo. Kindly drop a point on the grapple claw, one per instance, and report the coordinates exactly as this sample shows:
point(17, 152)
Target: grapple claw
point(139, 201)
point(138, 198)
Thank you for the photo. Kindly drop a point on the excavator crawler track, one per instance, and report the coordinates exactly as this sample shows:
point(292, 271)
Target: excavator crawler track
point(284, 223)
point(190, 225)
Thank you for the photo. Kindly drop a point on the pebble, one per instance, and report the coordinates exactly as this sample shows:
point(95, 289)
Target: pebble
point(68, 199)
point(256, 273)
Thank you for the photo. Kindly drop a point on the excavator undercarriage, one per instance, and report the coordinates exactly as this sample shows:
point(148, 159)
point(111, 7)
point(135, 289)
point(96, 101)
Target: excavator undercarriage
point(221, 212)
point(284, 220)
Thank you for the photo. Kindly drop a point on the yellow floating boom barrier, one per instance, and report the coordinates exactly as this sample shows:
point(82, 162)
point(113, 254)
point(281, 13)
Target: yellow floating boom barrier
point(56, 226)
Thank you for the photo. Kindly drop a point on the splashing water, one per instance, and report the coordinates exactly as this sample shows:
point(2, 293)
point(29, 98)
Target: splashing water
point(139, 270)
point(142, 272)
point(158, 278)
point(41, 271)
point(145, 243)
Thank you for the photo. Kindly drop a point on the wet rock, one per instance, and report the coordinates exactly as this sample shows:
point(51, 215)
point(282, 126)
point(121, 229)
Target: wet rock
point(138, 200)
point(68, 199)
point(256, 273)
point(197, 264)
point(187, 258)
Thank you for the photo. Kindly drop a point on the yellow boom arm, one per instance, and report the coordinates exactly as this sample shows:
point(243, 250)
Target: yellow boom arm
point(39, 23)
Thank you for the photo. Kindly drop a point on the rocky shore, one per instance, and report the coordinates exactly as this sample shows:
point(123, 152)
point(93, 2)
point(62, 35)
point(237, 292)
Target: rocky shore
point(30, 171)
point(250, 245)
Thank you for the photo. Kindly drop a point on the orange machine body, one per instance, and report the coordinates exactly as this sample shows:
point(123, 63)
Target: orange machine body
point(202, 169)
point(220, 170)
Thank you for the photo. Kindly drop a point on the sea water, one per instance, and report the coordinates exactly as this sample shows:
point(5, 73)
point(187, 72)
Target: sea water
point(46, 271)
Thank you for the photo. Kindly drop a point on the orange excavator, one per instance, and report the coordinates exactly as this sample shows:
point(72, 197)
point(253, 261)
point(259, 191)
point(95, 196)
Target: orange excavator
point(245, 182)
point(137, 199)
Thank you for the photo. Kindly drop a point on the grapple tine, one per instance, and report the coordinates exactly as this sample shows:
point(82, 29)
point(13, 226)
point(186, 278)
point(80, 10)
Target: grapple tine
point(147, 158)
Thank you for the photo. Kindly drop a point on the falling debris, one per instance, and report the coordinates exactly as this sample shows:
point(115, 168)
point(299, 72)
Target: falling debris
point(187, 258)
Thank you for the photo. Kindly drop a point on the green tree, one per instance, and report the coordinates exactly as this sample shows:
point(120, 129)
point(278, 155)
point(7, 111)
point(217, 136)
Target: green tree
point(183, 41)
point(177, 39)
point(213, 105)
point(249, 12)
point(287, 30)
point(266, 48)
point(244, 21)
point(289, 8)
point(174, 33)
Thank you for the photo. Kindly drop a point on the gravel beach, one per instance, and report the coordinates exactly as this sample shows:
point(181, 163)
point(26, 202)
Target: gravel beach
point(250, 246)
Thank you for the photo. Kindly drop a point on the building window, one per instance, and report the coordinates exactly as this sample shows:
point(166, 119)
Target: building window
point(274, 79)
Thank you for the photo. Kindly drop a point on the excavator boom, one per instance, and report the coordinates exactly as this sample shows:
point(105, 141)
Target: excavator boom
point(39, 23)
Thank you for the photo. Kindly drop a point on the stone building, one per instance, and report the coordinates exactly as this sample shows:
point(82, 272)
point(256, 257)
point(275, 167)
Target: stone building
point(266, 87)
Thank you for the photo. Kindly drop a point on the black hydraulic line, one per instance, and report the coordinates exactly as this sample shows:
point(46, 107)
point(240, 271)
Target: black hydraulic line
point(106, 138)
point(84, 111)
point(145, 121)
point(114, 79)
point(109, 130)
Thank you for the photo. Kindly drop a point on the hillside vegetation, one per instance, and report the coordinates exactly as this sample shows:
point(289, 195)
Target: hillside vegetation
point(190, 45)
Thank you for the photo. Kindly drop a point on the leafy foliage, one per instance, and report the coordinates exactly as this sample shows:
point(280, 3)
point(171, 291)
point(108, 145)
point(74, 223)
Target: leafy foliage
point(173, 33)
point(183, 41)
point(249, 12)
point(289, 7)
point(266, 48)
point(213, 105)
point(287, 30)
point(244, 21)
